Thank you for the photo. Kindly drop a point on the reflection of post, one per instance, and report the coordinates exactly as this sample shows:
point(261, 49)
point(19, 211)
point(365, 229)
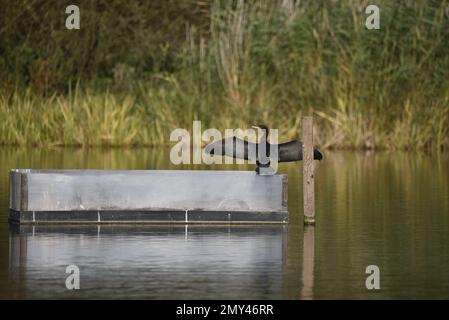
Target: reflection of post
point(284, 249)
point(308, 262)
point(18, 245)
point(18, 253)
point(307, 171)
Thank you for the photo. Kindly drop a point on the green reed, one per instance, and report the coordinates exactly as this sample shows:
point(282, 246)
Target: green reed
point(265, 62)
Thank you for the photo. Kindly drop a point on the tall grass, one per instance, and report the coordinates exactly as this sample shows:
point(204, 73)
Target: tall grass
point(267, 62)
point(90, 120)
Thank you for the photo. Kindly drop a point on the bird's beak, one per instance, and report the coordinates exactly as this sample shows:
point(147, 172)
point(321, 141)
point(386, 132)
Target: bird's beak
point(255, 127)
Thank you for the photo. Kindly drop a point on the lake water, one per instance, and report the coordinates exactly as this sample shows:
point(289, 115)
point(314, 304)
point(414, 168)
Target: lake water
point(389, 209)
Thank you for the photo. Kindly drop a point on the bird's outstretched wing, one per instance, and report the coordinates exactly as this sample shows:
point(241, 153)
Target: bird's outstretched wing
point(292, 151)
point(233, 147)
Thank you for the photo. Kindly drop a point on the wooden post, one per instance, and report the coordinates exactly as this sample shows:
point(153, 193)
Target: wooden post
point(307, 171)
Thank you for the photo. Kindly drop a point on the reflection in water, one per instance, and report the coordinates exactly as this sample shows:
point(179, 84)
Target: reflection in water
point(148, 262)
point(390, 209)
point(308, 262)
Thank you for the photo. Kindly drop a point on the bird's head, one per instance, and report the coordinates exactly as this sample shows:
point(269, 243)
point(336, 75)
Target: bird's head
point(265, 131)
point(261, 127)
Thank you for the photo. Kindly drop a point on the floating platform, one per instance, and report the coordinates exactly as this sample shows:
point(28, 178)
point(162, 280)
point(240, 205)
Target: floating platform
point(146, 196)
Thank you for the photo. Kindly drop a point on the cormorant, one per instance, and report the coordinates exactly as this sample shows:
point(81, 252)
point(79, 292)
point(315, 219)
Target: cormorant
point(242, 149)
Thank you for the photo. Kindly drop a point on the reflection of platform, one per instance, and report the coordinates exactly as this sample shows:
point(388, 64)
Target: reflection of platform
point(163, 261)
point(126, 196)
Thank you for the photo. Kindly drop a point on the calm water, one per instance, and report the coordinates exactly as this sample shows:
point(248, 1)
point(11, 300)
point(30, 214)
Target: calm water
point(386, 209)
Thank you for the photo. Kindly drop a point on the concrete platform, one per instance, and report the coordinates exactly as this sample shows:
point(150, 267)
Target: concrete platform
point(146, 196)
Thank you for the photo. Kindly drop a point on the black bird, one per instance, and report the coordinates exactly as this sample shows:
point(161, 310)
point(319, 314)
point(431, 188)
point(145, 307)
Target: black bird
point(242, 149)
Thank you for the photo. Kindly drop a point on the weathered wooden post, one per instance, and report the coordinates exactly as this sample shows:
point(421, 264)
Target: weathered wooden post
point(307, 171)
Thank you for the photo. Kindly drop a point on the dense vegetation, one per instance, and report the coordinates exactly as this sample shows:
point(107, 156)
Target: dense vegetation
point(138, 69)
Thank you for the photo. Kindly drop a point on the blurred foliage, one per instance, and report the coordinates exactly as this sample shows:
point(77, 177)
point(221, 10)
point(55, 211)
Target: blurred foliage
point(162, 64)
point(117, 40)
